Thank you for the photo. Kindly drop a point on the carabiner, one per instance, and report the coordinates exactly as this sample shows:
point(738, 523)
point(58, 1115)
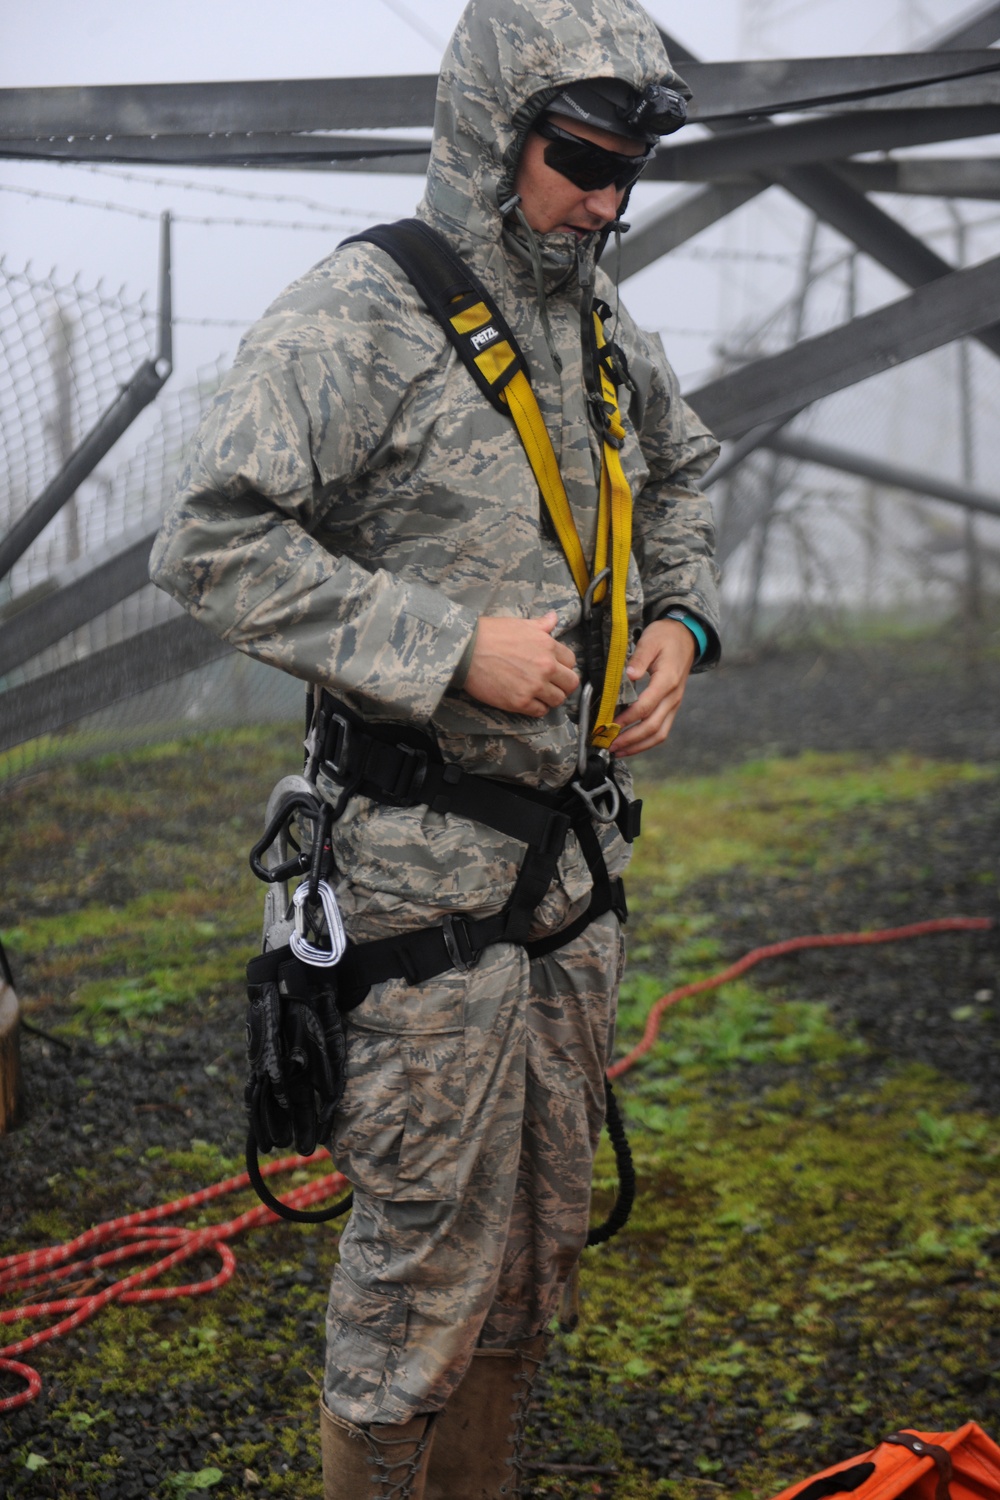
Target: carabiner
point(592, 587)
point(310, 953)
point(583, 728)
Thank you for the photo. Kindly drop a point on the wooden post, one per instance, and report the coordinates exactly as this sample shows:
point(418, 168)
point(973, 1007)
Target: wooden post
point(10, 1050)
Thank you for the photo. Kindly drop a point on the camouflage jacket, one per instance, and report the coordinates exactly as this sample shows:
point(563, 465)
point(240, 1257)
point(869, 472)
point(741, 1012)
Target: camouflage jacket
point(352, 504)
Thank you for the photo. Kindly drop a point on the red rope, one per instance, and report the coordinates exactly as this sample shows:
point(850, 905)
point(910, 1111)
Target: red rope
point(134, 1236)
point(139, 1233)
point(775, 950)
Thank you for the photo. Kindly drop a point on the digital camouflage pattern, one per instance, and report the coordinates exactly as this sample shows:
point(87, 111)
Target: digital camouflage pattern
point(465, 1222)
point(351, 506)
point(321, 524)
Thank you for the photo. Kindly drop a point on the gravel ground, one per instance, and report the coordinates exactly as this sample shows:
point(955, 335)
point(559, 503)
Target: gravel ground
point(77, 1100)
point(908, 698)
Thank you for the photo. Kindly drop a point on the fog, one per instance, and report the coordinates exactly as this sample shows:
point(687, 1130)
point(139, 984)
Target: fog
point(101, 222)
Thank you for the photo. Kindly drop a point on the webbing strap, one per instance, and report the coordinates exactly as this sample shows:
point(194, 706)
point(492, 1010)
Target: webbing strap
point(483, 339)
point(614, 548)
point(401, 766)
point(534, 435)
point(426, 952)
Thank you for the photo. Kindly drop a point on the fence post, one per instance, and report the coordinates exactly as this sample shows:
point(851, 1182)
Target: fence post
point(133, 398)
point(10, 1048)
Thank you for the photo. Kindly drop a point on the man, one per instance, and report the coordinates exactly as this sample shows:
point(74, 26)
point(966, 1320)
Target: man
point(356, 513)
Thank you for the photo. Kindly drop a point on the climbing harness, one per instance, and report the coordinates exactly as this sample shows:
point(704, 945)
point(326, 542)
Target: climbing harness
point(483, 339)
point(295, 1049)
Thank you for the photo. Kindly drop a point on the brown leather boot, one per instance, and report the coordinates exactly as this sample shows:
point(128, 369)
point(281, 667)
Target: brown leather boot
point(477, 1445)
point(386, 1461)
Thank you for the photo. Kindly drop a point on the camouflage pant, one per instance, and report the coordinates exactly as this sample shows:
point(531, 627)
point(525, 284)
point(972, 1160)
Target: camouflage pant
point(468, 1129)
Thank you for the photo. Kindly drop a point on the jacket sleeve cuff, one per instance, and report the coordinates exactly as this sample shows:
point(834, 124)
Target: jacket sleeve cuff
point(461, 672)
point(712, 653)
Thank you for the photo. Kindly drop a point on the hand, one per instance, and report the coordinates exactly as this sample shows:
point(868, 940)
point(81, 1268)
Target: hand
point(518, 665)
point(666, 651)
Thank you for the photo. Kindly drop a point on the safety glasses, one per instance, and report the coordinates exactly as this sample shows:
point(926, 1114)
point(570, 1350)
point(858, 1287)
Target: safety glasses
point(588, 166)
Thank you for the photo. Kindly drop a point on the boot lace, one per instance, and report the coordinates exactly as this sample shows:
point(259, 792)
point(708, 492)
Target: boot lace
point(395, 1477)
point(524, 1383)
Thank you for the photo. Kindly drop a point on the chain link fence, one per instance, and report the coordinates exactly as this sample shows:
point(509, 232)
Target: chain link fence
point(66, 350)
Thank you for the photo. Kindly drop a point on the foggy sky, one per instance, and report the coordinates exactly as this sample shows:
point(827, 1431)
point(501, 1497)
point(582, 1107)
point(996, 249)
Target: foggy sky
point(229, 273)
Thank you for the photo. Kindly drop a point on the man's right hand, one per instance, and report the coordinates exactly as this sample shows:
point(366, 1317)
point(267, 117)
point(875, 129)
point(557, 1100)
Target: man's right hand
point(519, 666)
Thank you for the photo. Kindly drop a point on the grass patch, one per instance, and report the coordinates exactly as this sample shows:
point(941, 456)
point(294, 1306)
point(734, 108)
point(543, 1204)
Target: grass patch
point(813, 1256)
point(771, 816)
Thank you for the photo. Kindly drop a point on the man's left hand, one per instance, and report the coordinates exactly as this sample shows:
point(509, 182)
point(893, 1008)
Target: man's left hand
point(665, 651)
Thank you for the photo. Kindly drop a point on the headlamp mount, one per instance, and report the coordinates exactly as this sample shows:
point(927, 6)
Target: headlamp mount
point(658, 111)
point(614, 105)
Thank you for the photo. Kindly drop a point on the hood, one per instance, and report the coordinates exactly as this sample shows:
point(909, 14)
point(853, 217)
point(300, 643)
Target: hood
point(506, 61)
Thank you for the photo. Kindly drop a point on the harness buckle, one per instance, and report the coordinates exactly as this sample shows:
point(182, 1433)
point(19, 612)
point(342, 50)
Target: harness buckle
point(337, 745)
point(409, 778)
point(594, 784)
point(455, 932)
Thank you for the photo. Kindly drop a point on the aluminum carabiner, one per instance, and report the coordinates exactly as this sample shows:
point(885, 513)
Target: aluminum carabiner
point(583, 728)
point(592, 587)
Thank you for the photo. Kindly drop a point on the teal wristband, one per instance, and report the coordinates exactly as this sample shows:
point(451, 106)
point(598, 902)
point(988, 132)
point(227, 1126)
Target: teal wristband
point(696, 628)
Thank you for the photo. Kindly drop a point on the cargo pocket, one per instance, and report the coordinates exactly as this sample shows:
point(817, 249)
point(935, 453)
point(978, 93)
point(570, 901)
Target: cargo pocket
point(398, 1131)
point(437, 1091)
point(365, 1332)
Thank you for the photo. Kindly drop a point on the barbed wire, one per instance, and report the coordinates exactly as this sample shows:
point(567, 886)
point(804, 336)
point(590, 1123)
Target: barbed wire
point(214, 322)
point(767, 257)
point(356, 217)
point(216, 189)
point(204, 221)
point(688, 333)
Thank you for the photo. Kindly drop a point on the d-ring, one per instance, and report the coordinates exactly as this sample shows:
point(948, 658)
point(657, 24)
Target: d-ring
point(607, 789)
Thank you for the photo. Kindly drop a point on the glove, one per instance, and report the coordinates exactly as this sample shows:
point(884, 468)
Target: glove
point(296, 1052)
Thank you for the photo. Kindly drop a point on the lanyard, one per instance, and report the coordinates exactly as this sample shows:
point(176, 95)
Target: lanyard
point(614, 512)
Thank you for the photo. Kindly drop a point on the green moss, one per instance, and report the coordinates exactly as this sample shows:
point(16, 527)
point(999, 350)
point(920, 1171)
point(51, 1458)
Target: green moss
point(750, 1264)
point(806, 1217)
point(769, 815)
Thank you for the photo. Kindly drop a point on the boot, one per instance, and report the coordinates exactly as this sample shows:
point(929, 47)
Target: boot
point(386, 1461)
point(480, 1433)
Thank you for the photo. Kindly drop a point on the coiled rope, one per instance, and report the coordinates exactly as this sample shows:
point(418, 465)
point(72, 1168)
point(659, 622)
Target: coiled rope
point(134, 1235)
point(142, 1233)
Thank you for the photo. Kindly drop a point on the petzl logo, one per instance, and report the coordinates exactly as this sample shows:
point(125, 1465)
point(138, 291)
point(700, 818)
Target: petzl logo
point(483, 337)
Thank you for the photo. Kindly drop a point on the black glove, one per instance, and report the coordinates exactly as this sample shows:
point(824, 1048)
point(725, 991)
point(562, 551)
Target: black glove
point(296, 1052)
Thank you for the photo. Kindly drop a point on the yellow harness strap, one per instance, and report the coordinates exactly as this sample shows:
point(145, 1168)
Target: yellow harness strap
point(614, 513)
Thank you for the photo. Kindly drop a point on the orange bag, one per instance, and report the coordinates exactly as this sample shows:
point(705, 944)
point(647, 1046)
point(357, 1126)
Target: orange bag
point(961, 1465)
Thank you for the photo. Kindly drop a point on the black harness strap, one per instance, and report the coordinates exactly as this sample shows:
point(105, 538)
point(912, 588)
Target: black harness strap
point(399, 766)
point(448, 286)
point(403, 767)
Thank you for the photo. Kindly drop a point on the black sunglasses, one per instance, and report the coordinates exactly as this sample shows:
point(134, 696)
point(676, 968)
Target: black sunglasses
point(585, 165)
